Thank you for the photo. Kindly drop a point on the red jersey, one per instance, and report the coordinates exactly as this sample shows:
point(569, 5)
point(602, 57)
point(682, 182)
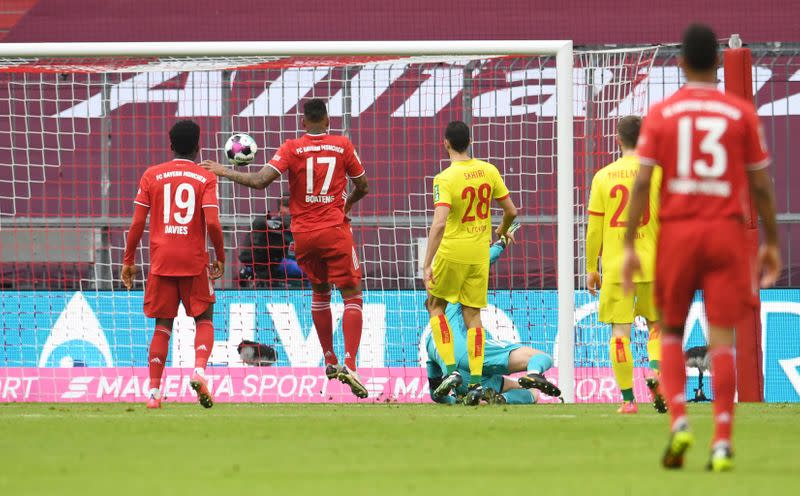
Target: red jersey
point(176, 193)
point(705, 141)
point(318, 165)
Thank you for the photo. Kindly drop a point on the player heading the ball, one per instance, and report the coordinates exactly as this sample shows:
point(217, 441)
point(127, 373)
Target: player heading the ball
point(711, 148)
point(608, 209)
point(319, 166)
point(456, 268)
point(183, 197)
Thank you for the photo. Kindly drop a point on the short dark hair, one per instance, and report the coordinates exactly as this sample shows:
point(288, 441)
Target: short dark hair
point(457, 134)
point(699, 48)
point(314, 110)
point(184, 137)
point(628, 130)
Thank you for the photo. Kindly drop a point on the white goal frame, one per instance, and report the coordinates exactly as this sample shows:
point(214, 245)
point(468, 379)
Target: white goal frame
point(561, 49)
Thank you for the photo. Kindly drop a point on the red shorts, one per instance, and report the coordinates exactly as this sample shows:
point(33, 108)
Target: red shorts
point(713, 256)
point(163, 294)
point(328, 256)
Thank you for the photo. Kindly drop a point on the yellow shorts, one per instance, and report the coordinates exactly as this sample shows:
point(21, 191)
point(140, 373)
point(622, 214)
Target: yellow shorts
point(467, 284)
point(618, 308)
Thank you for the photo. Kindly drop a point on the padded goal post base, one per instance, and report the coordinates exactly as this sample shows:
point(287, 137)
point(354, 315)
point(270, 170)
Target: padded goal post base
point(738, 65)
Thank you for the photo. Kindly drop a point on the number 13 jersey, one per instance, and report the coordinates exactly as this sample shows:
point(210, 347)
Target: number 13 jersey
point(176, 193)
point(609, 198)
point(705, 141)
point(468, 188)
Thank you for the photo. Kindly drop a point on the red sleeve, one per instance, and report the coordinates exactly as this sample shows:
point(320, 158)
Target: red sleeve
point(135, 233)
point(143, 194)
point(353, 162)
point(280, 161)
point(210, 194)
point(647, 145)
point(756, 154)
point(215, 232)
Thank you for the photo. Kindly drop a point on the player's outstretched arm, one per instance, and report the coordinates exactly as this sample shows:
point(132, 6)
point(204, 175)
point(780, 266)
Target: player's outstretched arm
point(509, 214)
point(769, 255)
point(134, 236)
point(256, 180)
point(639, 199)
point(360, 191)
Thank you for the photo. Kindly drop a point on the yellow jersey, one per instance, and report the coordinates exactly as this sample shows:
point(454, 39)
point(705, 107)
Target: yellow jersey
point(608, 216)
point(468, 188)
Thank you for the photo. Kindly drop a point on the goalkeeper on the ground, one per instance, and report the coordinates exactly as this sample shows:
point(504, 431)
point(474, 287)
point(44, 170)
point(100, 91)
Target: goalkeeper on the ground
point(500, 359)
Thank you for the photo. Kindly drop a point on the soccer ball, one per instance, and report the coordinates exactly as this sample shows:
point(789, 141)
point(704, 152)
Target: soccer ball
point(241, 149)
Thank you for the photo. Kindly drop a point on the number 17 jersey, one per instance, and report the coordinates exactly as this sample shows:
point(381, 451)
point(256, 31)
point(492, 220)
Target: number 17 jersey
point(468, 188)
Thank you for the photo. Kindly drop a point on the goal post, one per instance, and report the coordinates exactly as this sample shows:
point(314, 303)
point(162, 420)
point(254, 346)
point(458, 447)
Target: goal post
point(57, 98)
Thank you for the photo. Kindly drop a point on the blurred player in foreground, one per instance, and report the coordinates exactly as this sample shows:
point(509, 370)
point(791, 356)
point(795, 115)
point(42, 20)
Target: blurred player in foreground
point(608, 209)
point(319, 166)
point(711, 148)
point(183, 197)
point(456, 267)
point(502, 358)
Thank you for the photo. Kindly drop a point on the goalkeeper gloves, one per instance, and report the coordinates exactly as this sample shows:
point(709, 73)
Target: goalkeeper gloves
point(514, 227)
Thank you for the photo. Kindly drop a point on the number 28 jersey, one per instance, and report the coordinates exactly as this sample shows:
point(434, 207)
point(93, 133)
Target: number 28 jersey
point(319, 166)
point(705, 141)
point(468, 188)
point(176, 193)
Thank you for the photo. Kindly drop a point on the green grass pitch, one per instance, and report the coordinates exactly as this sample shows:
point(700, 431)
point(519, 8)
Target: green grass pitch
point(121, 449)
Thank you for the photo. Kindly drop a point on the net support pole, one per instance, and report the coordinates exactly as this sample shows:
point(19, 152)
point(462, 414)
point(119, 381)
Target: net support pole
point(738, 66)
point(227, 207)
point(102, 262)
point(566, 224)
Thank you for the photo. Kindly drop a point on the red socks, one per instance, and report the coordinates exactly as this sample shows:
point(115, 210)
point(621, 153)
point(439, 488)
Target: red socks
point(159, 348)
point(673, 377)
point(723, 383)
point(351, 326)
point(203, 342)
point(323, 323)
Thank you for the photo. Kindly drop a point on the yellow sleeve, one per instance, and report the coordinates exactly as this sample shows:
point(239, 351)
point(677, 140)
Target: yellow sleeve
point(499, 191)
point(594, 231)
point(594, 241)
point(441, 193)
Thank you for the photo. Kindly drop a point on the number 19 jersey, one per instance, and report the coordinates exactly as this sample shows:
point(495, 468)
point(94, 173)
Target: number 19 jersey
point(176, 193)
point(468, 188)
point(610, 198)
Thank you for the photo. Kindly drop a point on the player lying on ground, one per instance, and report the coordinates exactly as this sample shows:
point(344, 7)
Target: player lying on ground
point(710, 146)
point(608, 203)
point(319, 166)
point(183, 197)
point(456, 268)
point(501, 358)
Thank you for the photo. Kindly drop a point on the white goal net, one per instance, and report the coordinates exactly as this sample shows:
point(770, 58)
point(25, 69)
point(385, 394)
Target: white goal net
point(76, 133)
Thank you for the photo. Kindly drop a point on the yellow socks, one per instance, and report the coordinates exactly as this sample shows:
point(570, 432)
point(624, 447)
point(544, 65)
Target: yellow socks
point(622, 364)
point(475, 342)
point(443, 338)
point(654, 347)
